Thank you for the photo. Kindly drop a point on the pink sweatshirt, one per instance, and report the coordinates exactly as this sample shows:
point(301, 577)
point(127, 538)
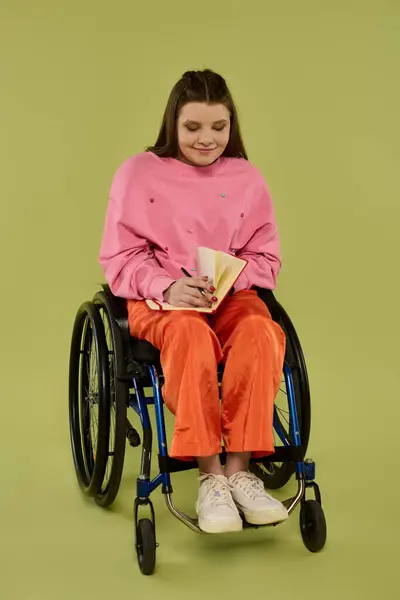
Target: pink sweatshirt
point(161, 210)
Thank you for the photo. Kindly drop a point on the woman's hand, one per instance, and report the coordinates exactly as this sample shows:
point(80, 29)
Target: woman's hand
point(184, 293)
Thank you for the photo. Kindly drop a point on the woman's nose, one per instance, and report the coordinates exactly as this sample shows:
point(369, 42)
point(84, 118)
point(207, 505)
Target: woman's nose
point(205, 140)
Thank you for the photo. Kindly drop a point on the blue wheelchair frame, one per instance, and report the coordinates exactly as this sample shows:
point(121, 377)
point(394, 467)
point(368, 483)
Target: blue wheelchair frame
point(305, 470)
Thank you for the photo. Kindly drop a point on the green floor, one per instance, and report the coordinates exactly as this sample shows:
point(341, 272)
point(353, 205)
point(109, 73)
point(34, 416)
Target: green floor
point(57, 544)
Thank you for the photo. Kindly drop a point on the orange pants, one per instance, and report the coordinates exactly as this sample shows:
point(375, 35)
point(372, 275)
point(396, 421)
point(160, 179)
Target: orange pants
point(241, 334)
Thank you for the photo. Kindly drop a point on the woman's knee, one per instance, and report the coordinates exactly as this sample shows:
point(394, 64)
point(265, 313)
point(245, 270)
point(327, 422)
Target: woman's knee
point(254, 328)
point(253, 324)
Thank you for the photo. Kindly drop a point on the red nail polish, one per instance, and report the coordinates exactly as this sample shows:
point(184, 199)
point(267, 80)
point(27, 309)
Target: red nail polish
point(214, 299)
point(212, 288)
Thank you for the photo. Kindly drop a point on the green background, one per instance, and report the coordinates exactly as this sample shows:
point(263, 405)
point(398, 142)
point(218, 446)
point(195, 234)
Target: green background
point(83, 86)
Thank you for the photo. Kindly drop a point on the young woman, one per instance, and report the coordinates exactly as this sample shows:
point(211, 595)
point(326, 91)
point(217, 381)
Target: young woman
point(195, 187)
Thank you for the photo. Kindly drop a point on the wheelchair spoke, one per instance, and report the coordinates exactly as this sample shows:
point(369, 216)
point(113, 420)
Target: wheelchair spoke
point(108, 470)
point(94, 436)
point(84, 404)
point(94, 377)
point(113, 385)
point(92, 400)
point(281, 412)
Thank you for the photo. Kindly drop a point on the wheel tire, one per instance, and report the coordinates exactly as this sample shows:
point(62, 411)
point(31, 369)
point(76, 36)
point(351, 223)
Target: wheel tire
point(312, 525)
point(276, 476)
point(146, 546)
point(89, 458)
point(119, 398)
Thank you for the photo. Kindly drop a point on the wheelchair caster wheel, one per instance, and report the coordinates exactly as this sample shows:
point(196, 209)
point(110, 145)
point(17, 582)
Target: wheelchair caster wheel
point(146, 546)
point(312, 525)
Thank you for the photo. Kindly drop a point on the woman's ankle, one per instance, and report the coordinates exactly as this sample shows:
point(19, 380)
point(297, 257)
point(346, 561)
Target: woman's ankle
point(236, 462)
point(210, 465)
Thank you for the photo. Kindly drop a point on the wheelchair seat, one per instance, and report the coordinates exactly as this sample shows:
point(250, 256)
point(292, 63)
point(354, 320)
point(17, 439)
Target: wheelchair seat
point(144, 352)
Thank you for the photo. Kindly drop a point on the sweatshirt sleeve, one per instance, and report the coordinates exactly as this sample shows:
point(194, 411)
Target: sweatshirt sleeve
point(126, 258)
point(262, 250)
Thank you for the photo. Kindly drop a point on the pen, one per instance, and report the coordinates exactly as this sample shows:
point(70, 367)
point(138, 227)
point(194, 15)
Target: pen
point(202, 292)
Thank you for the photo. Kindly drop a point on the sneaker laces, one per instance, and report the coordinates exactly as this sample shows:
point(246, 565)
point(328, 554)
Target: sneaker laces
point(217, 490)
point(249, 484)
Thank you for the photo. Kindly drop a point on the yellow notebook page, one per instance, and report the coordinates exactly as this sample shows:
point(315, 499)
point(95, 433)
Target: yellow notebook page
point(227, 270)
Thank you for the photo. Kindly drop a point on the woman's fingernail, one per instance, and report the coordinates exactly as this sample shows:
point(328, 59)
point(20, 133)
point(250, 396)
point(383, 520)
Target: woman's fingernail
point(205, 278)
point(214, 299)
point(212, 288)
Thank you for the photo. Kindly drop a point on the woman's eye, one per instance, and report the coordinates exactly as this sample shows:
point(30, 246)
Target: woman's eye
point(195, 128)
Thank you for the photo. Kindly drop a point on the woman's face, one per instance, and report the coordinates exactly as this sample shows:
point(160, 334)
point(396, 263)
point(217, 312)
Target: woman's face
point(203, 132)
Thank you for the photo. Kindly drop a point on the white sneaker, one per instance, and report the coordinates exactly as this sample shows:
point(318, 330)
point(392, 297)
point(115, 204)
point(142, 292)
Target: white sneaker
point(215, 507)
point(258, 507)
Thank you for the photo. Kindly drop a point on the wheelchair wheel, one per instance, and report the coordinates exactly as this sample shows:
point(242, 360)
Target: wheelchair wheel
point(146, 546)
point(276, 475)
point(89, 401)
point(119, 397)
point(312, 525)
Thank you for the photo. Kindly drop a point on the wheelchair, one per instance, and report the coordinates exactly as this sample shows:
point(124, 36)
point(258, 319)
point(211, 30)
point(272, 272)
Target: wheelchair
point(109, 372)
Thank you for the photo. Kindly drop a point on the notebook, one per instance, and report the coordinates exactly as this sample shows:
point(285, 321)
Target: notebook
point(222, 270)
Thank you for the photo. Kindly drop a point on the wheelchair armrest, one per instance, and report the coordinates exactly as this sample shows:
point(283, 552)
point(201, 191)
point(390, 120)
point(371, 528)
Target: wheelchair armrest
point(267, 296)
point(118, 312)
point(136, 351)
point(119, 308)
